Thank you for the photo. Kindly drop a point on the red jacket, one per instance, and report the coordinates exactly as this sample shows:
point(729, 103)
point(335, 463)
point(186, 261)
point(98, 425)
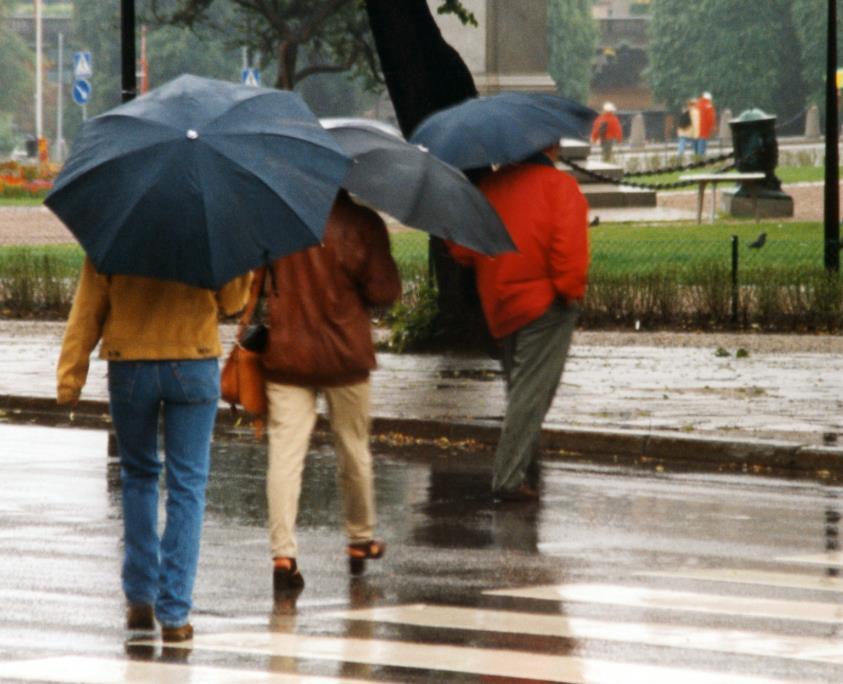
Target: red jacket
point(708, 117)
point(319, 323)
point(546, 215)
point(612, 125)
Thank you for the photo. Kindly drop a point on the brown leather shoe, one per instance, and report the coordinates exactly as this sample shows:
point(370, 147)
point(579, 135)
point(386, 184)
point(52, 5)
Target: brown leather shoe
point(522, 493)
point(183, 633)
point(140, 617)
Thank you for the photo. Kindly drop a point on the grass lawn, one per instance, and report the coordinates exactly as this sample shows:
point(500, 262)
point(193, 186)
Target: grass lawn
point(640, 248)
point(615, 249)
point(65, 260)
point(635, 249)
point(21, 201)
point(786, 174)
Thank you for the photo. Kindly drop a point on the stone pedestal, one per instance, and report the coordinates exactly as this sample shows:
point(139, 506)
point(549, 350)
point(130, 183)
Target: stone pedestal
point(507, 50)
point(735, 202)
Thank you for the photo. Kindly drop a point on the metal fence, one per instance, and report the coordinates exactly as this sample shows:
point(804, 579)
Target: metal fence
point(772, 278)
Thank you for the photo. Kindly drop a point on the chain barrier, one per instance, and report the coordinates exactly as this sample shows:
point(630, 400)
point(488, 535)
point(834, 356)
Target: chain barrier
point(682, 167)
point(665, 186)
point(653, 186)
point(784, 124)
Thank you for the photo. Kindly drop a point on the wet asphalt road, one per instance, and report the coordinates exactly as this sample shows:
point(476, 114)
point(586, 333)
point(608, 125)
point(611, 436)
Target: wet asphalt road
point(617, 576)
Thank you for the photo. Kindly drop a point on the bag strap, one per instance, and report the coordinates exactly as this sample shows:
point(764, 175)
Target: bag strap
point(255, 293)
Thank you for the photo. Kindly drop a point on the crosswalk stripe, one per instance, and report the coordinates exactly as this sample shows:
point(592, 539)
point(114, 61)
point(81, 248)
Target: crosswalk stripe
point(465, 660)
point(770, 579)
point(651, 633)
point(86, 670)
point(828, 558)
point(642, 597)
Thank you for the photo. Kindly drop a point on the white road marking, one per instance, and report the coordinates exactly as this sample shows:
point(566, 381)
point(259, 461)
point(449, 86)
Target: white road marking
point(467, 660)
point(757, 577)
point(652, 633)
point(828, 558)
point(642, 597)
point(85, 670)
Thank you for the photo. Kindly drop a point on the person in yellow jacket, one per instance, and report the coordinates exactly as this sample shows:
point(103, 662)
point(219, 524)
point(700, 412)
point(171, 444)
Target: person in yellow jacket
point(161, 340)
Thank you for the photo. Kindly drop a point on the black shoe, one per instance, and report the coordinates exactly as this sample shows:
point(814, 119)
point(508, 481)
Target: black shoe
point(358, 552)
point(287, 578)
point(140, 617)
point(522, 493)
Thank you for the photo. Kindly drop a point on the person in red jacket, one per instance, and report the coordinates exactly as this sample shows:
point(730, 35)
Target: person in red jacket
point(607, 130)
point(708, 121)
point(530, 302)
point(320, 341)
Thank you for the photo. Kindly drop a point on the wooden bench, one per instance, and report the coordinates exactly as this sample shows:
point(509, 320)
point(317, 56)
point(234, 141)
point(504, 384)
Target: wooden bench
point(752, 181)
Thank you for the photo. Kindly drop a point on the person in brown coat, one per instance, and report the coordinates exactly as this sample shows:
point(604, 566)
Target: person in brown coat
point(320, 340)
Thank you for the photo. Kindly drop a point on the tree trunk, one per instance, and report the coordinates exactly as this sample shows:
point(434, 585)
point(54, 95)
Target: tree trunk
point(423, 75)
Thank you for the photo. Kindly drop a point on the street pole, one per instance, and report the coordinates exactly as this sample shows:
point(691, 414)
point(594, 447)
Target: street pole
point(60, 145)
point(39, 83)
point(127, 42)
point(832, 127)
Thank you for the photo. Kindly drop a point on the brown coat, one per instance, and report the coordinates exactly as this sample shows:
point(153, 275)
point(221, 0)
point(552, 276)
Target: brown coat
point(320, 329)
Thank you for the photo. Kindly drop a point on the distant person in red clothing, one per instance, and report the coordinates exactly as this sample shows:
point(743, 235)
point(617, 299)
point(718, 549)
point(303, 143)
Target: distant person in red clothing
point(530, 302)
point(708, 122)
point(607, 130)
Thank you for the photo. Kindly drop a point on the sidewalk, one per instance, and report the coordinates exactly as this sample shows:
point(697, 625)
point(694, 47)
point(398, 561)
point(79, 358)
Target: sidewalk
point(660, 395)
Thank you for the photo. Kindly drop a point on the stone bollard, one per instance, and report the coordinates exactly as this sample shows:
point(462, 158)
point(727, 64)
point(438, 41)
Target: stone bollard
point(637, 134)
point(724, 132)
point(812, 123)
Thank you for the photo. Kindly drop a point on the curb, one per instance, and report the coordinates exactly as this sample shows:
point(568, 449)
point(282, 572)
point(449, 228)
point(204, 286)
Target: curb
point(617, 447)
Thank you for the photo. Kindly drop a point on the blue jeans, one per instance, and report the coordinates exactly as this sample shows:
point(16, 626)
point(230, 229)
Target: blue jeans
point(162, 572)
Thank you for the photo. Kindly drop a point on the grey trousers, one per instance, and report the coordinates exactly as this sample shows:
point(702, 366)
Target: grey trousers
point(533, 361)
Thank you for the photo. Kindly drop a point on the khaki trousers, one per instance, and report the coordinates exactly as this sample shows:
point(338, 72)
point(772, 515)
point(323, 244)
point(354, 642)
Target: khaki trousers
point(292, 416)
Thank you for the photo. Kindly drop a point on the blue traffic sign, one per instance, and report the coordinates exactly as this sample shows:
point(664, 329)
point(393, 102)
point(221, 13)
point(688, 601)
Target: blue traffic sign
point(251, 77)
point(81, 91)
point(82, 67)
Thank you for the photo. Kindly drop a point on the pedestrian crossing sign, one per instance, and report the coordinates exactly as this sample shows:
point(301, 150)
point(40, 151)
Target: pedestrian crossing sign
point(251, 77)
point(82, 65)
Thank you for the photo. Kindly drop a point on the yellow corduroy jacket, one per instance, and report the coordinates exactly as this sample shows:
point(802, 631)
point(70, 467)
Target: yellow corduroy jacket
point(141, 319)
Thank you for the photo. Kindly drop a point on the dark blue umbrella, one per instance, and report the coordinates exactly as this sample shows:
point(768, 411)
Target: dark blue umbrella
point(501, 129)
point(416, 188)
point(199, 181)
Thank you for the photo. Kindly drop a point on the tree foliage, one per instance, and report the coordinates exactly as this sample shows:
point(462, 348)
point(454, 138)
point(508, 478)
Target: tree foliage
point(17, 73)
point(572, 36)
point(769, 55)
point(299, 38)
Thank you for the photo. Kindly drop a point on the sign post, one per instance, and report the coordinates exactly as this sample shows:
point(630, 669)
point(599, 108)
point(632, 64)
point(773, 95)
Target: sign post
point(81, 90)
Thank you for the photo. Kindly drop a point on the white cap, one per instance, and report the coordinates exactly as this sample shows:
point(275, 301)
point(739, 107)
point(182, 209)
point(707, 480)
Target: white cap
point(609, 107)
point(707, 95)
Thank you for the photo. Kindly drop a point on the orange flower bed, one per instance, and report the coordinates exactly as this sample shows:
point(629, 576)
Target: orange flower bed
point(26, 180)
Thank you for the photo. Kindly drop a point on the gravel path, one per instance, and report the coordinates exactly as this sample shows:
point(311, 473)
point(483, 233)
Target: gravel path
point(38, 226)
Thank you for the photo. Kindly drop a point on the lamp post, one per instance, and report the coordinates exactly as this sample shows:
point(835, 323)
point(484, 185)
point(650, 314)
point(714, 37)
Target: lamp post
point(39, 75)
point(832, 127)
point(127, 42)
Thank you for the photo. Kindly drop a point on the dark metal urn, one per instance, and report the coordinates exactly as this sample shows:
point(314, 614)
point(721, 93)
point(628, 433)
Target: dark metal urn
point(756, 148)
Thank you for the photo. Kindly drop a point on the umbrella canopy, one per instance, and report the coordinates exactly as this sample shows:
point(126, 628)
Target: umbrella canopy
point(501, 129)
point(417, 188)
point(199, 181)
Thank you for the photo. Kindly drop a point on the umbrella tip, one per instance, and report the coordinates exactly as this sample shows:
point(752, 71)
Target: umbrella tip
point(191, 134)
